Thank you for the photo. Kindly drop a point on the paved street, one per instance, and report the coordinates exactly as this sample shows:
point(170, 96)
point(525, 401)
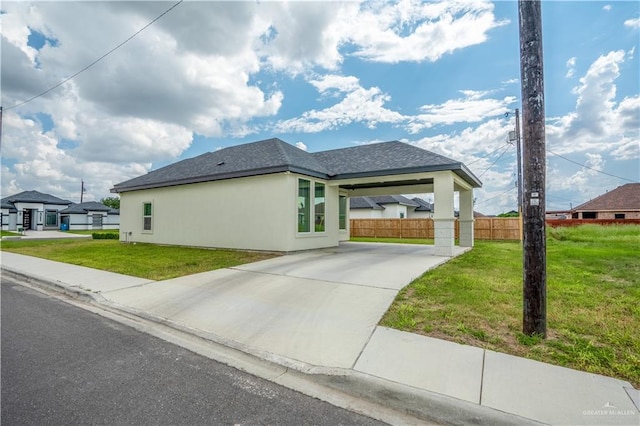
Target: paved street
point(64, 365)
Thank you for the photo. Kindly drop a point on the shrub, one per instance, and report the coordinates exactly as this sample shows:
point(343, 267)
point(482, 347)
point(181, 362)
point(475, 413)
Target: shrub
point(105, 236)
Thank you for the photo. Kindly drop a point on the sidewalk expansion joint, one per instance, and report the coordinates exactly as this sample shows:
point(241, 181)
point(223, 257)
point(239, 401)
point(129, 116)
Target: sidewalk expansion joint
point(315, 279)
point(484, 355)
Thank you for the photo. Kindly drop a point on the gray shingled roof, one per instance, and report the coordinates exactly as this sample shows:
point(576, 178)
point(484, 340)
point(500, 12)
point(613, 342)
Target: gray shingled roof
point(257, 158)
point(363, 203)
point(377, 202)
point(275, 155)
point(32, 197)
point(424, 205)
point(83, 208)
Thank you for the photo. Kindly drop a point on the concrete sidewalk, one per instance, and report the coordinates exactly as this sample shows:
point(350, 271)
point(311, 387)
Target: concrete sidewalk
point(45, 235)
point(318, 311)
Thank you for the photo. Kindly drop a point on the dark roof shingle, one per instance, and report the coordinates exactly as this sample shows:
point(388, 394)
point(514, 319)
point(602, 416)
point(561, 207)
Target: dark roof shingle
point(33, 197)
point(83, 208)
point(625, 197)
point(275, 155)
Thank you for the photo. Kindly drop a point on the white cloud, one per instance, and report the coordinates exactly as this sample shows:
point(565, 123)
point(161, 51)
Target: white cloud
point(606, 7)
point(43, 165)
point(301, 145)
point(418, 31)
point(571, 67)
point(581, 181)
point(632, 23)
point(599, 123)
point(472, 108)
point(359, 105)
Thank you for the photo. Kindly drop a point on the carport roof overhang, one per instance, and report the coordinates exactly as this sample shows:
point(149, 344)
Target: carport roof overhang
point(410, 180)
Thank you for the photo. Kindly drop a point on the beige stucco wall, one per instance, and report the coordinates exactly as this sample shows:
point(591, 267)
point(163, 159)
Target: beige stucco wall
point(257, 213)
point(419, 214)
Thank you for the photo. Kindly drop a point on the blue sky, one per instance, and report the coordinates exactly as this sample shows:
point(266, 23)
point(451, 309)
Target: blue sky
point(322, 75)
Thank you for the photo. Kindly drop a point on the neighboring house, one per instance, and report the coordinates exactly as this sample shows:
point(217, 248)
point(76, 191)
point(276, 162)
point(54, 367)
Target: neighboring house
point(32, 210)
point(424, 209)
point(620, 203)
point(381, 207)
point(270, 195)
point(393, 206)
point(89, 216)
point(558, 214)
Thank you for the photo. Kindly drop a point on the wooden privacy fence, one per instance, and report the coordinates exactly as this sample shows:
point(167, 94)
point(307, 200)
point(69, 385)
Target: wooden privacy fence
point(485, 228)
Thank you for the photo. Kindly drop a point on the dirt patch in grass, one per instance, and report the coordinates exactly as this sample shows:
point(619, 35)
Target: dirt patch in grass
point(593, 289)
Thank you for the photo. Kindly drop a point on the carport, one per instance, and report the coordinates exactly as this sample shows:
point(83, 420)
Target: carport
point(406, 169)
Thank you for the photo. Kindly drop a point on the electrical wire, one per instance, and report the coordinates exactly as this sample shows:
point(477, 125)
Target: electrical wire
point(590, 168)
point(496, 196)
point(484, 156)
point(97, 60)
point(492, 164)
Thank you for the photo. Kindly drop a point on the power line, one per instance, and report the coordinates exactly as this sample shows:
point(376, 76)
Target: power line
point(496, 196)
point(590, 168)
point(496, 160)
point(97, 60)
point(484, 156)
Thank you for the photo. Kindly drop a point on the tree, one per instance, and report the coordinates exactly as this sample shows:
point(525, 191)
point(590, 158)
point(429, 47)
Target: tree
point(512, 213)
point(113, 202)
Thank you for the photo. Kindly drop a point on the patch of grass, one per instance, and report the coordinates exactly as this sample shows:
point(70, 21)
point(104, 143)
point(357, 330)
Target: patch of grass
point(9, 234)
point(140, 260)
point(392, 240)
point(593, 294)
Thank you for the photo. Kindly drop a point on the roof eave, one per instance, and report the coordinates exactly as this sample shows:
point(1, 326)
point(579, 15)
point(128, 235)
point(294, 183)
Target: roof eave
point(223, 176)
point(458, 168)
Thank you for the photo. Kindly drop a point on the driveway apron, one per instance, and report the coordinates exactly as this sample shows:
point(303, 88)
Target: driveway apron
point(319, 307)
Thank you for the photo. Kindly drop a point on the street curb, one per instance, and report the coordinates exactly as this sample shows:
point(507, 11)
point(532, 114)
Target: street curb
point(58, 286)
point(422, 405)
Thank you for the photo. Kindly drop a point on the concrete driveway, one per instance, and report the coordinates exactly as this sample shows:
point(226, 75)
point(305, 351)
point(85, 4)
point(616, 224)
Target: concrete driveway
point(319, 307)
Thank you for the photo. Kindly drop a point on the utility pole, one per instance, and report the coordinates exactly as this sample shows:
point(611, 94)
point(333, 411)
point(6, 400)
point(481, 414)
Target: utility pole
point(534, 246)
point(0, 126)
point(515, 137)
point(81, 190)
point(519, 155)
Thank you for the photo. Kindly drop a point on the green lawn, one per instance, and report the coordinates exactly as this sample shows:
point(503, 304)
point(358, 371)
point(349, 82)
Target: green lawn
point(140, 260)
point(9, 234)
point(593, 300)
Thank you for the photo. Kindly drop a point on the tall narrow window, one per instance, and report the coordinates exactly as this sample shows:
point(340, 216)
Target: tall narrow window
point(342, 212)
point(304, 205)
point(146, 217)
point(319, 207)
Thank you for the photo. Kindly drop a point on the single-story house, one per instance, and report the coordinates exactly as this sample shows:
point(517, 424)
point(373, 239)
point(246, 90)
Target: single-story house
point(31, 210)
point(620, 203)
point(424, 209)
point(270, 195)
point(381, 207)
point(393, 207)
point(89, 216)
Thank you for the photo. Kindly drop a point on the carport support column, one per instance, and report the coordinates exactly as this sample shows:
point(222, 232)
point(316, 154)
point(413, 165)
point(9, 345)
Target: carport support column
point(466, 218)
point(443, 218)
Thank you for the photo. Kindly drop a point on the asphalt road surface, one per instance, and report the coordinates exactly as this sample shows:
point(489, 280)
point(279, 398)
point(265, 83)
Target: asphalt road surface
point(62, 365)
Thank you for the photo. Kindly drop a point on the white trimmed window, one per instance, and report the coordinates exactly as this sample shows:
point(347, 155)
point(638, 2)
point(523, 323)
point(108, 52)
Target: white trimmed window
point(342, 212)
point(311, 206)
point(147, 217)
